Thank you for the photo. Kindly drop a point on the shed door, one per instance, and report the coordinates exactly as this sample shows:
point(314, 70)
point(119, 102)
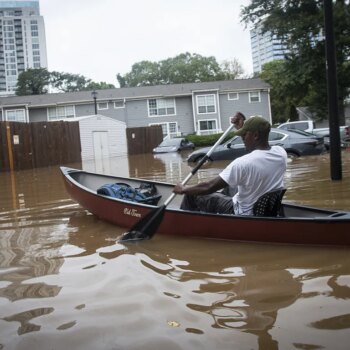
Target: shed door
point(100, 144)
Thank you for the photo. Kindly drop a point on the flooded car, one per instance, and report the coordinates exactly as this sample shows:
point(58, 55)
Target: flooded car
point(175, 144)
point(296, 143)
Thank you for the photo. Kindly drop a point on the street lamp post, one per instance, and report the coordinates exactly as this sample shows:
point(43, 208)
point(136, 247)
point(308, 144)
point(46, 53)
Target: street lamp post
point(94, 96)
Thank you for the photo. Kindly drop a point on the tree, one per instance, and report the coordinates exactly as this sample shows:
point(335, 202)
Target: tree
point(299, 24)
point(190, 68)
point(99, 86)
point(283, 95)
point(33, 82)
point(183, 68)
point(37, 82)
point(67, 82)
point(142, 73)
point(231, 69)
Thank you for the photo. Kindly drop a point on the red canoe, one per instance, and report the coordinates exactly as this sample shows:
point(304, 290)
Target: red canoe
point(300, 225)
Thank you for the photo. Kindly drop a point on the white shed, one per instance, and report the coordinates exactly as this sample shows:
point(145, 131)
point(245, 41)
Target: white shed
point(102, 137)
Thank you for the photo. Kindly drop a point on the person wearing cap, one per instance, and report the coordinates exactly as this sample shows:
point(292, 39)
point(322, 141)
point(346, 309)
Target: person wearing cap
point(238, 120)
point(260, 171)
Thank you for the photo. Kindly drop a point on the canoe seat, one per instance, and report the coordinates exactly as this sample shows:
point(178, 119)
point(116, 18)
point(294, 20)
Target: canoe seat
point(270, 204)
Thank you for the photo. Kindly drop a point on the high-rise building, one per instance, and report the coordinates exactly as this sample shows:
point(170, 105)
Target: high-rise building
point(266, 47)
point(22, 41)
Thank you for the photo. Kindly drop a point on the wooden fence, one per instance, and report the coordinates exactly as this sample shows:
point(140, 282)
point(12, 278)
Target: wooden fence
point(38, 144)
point(143, 139)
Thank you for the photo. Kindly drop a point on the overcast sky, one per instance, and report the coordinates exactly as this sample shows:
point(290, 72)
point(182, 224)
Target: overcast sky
point(100, 38)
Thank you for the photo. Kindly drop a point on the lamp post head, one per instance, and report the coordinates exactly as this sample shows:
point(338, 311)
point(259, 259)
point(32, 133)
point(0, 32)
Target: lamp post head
point(94, 96)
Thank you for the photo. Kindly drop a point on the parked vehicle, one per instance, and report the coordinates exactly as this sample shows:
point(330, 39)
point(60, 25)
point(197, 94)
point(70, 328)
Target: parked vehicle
point(309, 126)
point(175, 144)
point(296, 143)
point(343, 143)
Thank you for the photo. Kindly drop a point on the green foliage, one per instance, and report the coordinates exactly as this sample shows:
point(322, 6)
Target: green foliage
point(99, 86)
point(143, 73)
point(231, 69)
point(67, 82)
point(33, 82)
point(284, 95)
point(184, 68)
point(206, 140)
point(299, 24)
point(37, 81)
point(189, 68)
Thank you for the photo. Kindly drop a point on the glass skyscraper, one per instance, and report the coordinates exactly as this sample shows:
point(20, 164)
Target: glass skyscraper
point(265, 48)
point(22, 41)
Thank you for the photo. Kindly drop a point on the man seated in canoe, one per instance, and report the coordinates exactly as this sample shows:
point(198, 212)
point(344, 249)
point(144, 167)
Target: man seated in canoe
point(261, 170)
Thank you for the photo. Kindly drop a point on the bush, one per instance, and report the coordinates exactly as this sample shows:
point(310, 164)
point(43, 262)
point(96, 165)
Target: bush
point(206, 140)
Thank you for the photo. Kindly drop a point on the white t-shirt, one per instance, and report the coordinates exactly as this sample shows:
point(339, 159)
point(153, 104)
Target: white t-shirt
point(254, 174)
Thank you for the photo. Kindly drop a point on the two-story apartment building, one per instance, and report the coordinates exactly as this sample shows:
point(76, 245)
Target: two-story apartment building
point(201, 108)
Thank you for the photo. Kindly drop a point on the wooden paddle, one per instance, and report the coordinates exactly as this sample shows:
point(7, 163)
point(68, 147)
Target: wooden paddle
point(146, 227)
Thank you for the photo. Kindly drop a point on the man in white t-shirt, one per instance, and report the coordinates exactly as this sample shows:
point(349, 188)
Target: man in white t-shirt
point(261, 170)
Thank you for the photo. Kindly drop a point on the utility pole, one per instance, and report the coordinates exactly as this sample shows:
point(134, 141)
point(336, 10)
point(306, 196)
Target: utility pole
point(332, 89)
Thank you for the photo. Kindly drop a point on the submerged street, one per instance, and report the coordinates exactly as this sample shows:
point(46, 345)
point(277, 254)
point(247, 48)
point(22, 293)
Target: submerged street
point(66, 282)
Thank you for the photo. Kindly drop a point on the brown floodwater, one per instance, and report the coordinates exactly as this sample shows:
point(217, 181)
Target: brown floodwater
point(67, 283)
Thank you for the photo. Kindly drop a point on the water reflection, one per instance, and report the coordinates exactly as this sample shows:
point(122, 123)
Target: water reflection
point(62, 270)
point(24, 319)
point(237, 297)
point(238, 286)
point(169, 167)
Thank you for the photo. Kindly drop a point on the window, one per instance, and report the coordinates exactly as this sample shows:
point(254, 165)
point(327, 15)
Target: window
point(60, 112)
point(102, 105)
point(207, 127)
point(206, 104)
point(232, 96)
point(169, 129)
point(254, 97)
point(16, 115)
point(161, 106)
point(119, 104)
point(274, 136)
point(296, 126)
point(11, 72)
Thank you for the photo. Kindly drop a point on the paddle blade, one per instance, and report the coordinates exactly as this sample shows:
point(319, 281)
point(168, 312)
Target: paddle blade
point(146, 227)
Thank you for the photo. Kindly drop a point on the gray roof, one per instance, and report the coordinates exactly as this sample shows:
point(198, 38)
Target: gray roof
point(134, 92)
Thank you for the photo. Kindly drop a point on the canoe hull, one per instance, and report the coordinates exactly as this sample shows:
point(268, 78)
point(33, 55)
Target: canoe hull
point(325, 228)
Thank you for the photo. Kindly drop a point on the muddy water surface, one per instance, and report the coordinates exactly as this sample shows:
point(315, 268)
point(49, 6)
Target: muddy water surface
point(66, 282)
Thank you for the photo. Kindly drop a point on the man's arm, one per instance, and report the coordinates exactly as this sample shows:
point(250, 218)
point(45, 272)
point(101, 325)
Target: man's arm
point(206, 187)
